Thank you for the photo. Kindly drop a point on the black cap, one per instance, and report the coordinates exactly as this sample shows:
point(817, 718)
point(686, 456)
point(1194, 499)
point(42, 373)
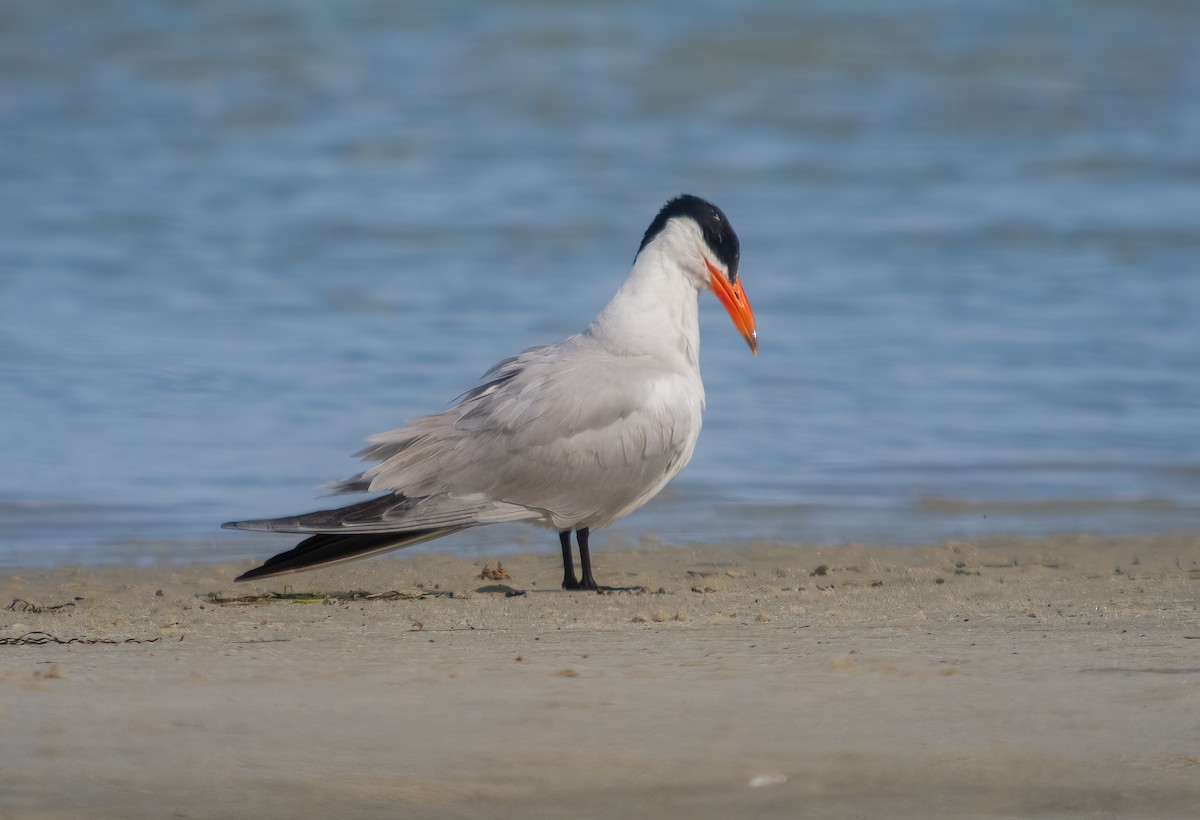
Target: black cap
point(718, 233)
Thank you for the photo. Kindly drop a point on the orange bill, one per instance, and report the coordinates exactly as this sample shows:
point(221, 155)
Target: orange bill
point(735, 301)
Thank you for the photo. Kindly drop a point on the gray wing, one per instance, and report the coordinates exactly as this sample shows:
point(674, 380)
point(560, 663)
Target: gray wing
point(569, 434)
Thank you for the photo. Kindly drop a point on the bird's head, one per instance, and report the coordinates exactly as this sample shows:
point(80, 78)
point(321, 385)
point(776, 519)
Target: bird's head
point(700, 231)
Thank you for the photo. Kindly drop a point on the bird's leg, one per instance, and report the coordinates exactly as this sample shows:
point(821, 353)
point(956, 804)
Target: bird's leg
point(569, 581)
point(585, 559)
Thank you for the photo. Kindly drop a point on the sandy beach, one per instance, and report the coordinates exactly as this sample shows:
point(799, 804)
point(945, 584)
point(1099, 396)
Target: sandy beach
point(1057, 677)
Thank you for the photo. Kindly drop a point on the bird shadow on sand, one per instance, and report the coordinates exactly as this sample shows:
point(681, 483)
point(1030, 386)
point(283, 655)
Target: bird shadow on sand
point(513, 592)
point(289, 596)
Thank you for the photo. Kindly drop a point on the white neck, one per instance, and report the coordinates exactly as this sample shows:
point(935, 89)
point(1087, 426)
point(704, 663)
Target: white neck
point(655, 311)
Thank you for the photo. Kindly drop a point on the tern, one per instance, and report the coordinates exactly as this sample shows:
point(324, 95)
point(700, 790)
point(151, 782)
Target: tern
point(572, 435)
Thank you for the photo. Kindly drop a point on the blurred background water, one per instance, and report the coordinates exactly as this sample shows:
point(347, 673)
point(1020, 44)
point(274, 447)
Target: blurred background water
point(237, 237)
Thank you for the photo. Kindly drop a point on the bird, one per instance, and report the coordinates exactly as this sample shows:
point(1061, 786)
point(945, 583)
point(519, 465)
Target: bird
point(570, 436)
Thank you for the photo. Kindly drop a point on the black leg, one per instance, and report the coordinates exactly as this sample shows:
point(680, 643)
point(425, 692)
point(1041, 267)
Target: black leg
point(569, 581)
point(585, 559)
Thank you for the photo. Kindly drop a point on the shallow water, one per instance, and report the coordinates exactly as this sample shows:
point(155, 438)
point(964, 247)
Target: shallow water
point(238, 237)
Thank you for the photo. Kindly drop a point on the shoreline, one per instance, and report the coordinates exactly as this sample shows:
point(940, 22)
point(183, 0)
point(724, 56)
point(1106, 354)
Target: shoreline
point(1044, 677)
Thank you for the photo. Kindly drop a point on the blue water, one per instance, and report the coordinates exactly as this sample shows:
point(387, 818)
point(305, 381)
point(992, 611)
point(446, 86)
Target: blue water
point(237, 237)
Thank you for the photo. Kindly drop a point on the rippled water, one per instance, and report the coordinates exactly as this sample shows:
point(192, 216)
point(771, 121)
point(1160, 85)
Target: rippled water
point(236, 237)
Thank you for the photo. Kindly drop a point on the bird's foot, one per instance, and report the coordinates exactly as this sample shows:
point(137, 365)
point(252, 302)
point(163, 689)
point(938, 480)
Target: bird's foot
point(587, 584)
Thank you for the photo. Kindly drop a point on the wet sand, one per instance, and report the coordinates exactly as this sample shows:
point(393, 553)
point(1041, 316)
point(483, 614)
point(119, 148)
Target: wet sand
point(1054, 678)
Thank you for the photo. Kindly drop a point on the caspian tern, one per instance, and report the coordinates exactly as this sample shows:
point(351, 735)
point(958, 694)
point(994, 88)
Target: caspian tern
point(572, 435)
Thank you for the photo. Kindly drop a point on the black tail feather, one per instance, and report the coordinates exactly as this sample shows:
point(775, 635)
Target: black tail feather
point(319, 550)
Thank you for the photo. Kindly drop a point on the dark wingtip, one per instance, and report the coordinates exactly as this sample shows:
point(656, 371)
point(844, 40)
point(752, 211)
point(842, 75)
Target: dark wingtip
point(277, 565)
point(323, 549)
point(304, 555)
point(250, 575)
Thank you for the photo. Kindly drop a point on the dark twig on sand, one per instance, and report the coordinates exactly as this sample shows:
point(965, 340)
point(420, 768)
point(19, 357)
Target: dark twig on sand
point(38, 638)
